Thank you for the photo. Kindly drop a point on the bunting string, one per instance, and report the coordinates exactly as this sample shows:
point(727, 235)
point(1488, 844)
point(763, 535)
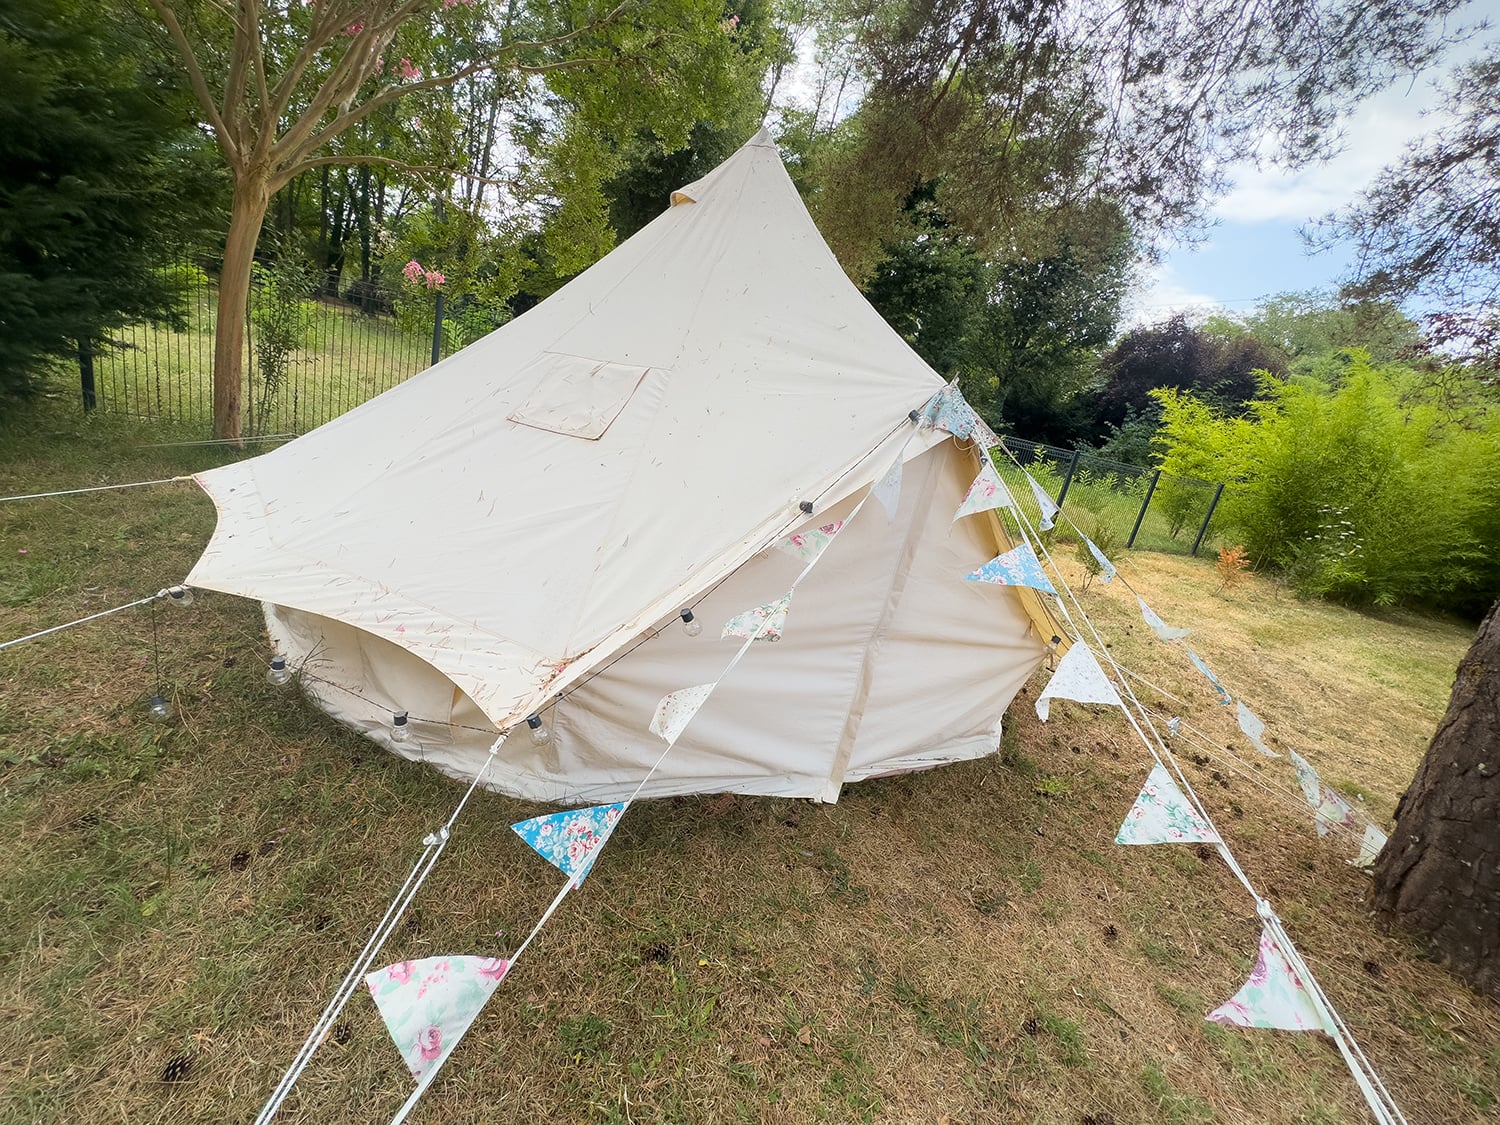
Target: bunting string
point(95, 488)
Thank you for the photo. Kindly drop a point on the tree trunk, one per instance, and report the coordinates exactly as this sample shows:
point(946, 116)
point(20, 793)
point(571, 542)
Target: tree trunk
point(1439, 876)
point(247, 214)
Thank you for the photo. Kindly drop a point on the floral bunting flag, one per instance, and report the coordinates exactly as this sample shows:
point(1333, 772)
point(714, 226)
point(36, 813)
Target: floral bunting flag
point(1162, 815)
point(808, 545)
point(569, 840)
point(1274, 996)
point(1159, 627)
point(1333, 812)
point(1106, 568)
point(948, 410)
point(1044, 501)
point(988, 491)
point(1253, 728)
point(764, 622)
point(1370, 847)
point(1224, 696)
point(677, 709)
point(427, 1005)
point(888, 490)
point(1079, 678)
point(1017, 567)
point(1307, 777)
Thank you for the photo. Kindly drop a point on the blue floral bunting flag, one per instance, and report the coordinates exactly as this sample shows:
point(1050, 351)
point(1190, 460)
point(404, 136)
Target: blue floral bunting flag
point(888, 490)
point(1224, 696)
point(1106, 568)
point(1159, 627)
point(764, 622)
point(948, 410)
point(1162, 815)
point(1017, 567)
point(1044, 501)
point(1253, 728)
point(1079, 678)
point(570, 840)
point(427, 1005)
point(988, 491)
point(1274, 996)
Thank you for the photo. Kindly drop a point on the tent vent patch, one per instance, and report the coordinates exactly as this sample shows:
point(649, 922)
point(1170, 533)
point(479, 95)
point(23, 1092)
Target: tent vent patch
point(576, 396)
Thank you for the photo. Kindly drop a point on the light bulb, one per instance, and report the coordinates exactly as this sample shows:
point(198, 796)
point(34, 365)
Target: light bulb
point(540, 735)
point(158, 708)
point(180, 596)
point(400, 730)
point(690, 626)
point(278, 673)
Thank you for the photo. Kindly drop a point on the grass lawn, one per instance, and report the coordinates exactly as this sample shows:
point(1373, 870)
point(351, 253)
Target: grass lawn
point(963, 946)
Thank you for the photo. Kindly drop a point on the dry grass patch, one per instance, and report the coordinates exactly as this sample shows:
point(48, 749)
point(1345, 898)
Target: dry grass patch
point(967, 944)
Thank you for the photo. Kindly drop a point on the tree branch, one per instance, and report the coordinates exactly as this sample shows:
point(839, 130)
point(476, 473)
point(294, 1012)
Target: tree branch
point(195, 77)
point(387, 162)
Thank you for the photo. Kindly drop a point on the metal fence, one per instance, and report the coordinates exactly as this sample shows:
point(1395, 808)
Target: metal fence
point(345, 353)
point(1115, 504)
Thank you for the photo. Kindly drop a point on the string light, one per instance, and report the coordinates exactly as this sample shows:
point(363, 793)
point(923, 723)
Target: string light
point(181, 596)
point(400, 729)
point(158, 708)
point(540, 735)
point(689, 626)
point(277, 672)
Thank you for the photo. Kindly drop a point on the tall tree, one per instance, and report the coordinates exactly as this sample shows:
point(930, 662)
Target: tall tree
point(99, 164)
point(1439, 876)
point(281, 83)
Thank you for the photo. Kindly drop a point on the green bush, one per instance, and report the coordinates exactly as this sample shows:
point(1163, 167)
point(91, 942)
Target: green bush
point(1384, 488)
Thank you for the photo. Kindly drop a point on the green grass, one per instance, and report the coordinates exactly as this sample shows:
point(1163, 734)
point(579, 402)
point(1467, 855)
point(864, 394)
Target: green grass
point(952, 943)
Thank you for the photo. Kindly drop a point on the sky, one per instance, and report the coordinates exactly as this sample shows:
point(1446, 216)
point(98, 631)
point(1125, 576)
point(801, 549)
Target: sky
point(1253, 249)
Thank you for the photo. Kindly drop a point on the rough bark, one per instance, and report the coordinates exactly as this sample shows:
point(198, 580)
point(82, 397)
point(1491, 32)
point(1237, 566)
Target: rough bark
point(1439, 876)
point(247, 214)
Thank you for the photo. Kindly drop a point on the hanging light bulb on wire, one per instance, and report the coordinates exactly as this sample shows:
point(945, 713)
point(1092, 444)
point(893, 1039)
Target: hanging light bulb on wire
point(400, 728)
point(540, 735)
point(180, 596)
point(277, 672)
point(158, 708)
point(690, 625)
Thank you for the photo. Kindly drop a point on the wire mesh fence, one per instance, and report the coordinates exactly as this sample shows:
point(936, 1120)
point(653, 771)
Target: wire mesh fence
point(343, 354)
point(1116, 504)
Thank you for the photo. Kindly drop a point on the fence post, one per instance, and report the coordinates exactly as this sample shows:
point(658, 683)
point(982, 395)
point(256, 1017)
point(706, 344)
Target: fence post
point(1146, 503)
point(437, 328)
point(86, 374)
point(1202, 531)
point(1067, 478)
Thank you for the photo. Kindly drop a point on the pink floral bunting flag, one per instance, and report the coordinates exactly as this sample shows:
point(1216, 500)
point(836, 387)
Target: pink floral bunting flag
point(1044, 501)
point(677, 709)
point(988, 491)
point(1079, 678)
point(1333, 812)
point(1162, 815)
point(808, 545)
point(1158, 626)
point(764, 622)
point(1274, 996)
point(888, 490)
point(1253, 728)
point(1370, 847)
point(427, 1005)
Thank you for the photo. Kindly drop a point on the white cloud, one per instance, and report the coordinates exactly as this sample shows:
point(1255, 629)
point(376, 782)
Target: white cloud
point(1163, 295)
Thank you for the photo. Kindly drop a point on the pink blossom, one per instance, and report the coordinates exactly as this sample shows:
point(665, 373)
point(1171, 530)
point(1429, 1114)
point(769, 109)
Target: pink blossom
point(434, 279)
point(408, 72)
point(447, 4)
point(355, 28)
point(401, 972)
point(430, 1043)
point(413, 271)
point(495, 969)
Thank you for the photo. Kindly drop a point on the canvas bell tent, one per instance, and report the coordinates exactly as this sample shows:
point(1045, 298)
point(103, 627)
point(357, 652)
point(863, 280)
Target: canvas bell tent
point(514, 531)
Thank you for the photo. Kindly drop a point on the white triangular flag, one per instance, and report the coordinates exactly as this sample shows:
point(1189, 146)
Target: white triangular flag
point(764, 622)
point(1049, 509)
point(888, 490)
point(1079, 678)
point(988, 491)
point(1307, 777)
point(1370, 847)
point(677, 709)
point(1333, 812)
point(1161, 628)
point(1274, 996)
point(808, 545)
point(1162, 815)
point(1106, 568)
point(1254, 728)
